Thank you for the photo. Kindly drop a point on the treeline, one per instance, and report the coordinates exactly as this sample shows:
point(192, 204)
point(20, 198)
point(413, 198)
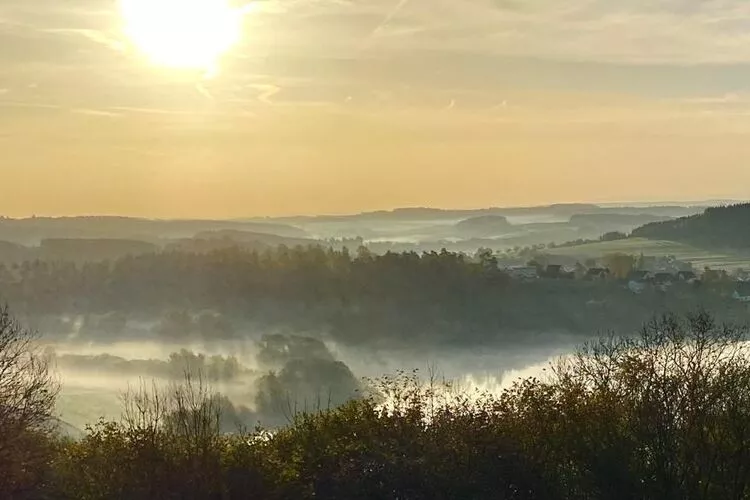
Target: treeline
point(661, 415)
point(397, 298)
point(214, 368)
point(306, 274)
point(718, 227)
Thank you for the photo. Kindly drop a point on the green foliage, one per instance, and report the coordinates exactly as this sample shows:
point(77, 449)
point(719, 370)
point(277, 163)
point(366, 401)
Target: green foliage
point(430, 299)
point(214, 368)
point(613, 236)
point(620, 264)
point(662, 415)
point(305, 385)
point(312, 287)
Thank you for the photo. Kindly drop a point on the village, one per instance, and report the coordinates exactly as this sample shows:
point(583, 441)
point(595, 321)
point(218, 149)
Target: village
point(637, 273)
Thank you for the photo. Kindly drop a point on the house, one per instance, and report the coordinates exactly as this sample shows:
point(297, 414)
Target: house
point(523, 272)
point(742, 293)
point(567, 273)
point(553, 271)
point(597, 273)
point(640, 276)
point(637, 287)
point(687, 276)
point(664, 278)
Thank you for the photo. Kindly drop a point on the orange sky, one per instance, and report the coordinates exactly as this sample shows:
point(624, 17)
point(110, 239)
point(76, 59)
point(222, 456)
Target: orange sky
point(387, 108)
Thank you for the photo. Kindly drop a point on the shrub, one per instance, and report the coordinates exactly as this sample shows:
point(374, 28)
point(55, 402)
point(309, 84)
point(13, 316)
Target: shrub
point(661, 415)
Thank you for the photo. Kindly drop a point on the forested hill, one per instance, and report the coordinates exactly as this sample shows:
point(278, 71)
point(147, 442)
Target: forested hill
point(717, 227)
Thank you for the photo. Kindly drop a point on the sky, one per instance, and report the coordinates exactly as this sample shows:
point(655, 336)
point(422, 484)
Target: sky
point(341, 106)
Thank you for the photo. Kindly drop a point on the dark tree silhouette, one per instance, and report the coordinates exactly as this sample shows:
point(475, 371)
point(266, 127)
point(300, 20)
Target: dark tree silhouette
point(28, 390)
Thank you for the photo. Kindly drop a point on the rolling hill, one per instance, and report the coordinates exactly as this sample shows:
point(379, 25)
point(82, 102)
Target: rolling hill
point(724, 227)
point(699, 257)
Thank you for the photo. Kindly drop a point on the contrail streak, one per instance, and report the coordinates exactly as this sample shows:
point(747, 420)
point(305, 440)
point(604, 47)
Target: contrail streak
point(202, 90)
point(393, 13)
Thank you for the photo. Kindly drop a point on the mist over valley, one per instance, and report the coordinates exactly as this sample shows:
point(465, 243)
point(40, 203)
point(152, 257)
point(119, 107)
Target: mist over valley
point(293, 314)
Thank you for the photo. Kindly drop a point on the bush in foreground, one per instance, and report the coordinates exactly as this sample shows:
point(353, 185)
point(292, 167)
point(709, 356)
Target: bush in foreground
point(662, 415)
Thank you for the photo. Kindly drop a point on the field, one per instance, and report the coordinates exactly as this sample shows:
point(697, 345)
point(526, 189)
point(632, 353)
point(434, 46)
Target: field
point(635, 246)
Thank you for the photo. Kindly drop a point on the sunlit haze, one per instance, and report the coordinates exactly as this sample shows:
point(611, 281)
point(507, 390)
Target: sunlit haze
point(342, 106)
point(451, 249)
point(190, 34)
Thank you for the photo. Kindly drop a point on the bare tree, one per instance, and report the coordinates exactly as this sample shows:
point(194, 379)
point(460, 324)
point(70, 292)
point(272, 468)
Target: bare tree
point(28, 390)
point(178, 431)
point(145, 409)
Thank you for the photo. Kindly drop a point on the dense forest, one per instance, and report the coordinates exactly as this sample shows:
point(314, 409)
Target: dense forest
point(395, 299)
point(718, 227)
point(664, 414)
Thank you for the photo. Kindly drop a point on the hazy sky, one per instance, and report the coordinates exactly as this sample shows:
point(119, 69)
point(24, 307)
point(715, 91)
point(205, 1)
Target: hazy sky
point(347, 105)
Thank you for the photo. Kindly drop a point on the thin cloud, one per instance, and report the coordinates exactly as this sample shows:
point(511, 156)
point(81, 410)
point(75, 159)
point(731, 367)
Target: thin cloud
point(731, 98)
point(202, 90)
point(638, 31)
point(96, 36)
point(96, 112)
point(32, 105)
point(155, 111)
point(267, 92)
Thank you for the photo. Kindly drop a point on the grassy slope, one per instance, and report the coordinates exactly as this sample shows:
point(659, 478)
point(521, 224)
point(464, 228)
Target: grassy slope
point(635, 246)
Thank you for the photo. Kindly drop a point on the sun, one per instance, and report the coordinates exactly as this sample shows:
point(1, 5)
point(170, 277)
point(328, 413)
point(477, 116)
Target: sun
point(182, 34)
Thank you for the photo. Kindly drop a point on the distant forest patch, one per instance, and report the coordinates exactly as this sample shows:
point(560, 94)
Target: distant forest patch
point(717, 227)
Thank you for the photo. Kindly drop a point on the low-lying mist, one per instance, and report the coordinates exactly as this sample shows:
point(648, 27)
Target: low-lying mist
point(267, 379)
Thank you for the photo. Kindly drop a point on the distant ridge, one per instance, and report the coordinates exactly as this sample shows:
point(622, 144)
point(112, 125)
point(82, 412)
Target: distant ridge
point(31, 230)
point(692, 203)
point(562, 210)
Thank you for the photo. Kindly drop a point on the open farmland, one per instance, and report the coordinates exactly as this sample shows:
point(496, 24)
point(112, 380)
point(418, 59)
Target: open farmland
point(699, 257)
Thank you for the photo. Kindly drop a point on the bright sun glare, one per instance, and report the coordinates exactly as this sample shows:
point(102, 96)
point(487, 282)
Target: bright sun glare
point(182, 34)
